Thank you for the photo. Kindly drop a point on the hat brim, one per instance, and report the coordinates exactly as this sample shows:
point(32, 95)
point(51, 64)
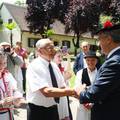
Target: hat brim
point(108, 29)
point(90, 56)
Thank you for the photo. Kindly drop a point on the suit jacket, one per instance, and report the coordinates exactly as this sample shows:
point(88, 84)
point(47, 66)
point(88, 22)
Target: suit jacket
point(79, 63)
point(105, 92)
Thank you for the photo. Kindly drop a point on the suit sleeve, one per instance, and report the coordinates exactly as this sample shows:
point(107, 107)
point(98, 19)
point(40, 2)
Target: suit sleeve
point(106, 84)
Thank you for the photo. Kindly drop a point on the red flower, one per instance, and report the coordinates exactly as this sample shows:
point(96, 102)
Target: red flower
point(107, 24)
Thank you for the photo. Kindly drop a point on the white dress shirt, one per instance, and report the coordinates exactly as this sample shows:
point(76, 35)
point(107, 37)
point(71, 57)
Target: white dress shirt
point(38, 77)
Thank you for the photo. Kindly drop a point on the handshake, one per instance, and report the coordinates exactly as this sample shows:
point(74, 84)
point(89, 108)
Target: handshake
point(78, 90)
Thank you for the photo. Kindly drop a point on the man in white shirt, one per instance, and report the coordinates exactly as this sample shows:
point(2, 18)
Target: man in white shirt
point(40, 91)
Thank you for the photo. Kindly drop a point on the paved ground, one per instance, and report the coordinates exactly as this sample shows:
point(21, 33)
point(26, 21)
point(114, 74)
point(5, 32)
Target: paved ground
point(21, 113)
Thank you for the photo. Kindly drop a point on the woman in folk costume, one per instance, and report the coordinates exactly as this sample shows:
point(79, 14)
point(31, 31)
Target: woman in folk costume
point(63, 107)
point(86, 76)
point(9, 96)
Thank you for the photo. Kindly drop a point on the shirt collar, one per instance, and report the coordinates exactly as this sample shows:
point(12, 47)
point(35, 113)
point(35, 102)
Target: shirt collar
point(112, 51)
point(91, 71)
point(44, 61)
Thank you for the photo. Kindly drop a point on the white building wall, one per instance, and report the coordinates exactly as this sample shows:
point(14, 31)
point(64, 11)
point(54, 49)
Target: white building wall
point(5, 33)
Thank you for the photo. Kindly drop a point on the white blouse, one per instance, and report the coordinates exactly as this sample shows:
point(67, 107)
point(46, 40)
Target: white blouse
point(11, 86)
point(92, 76)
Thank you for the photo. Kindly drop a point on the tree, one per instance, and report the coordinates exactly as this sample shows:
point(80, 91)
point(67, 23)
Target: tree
point(84, 15)
point(20, 2)
point(48, 33)
point(1, 23)
point(79, 16)
point(42, 13)
point(10, 25)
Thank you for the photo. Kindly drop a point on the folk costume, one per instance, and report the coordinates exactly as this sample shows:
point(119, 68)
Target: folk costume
point(7, 89)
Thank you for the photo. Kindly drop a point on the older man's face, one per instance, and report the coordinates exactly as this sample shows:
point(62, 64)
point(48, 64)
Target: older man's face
point(85, 48)
point(91, 62)
point(48, 51)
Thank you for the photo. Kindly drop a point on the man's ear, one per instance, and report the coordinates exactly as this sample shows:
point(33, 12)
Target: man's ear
point(109, 39)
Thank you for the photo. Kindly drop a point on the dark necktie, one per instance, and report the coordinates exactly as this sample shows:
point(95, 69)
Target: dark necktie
point(54, 82)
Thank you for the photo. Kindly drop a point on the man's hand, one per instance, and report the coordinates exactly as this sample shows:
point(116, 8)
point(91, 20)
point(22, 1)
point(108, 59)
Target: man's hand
point(79, 89)
point(88, 105)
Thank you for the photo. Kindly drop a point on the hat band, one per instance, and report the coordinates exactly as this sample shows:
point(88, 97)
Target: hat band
point(115, 37)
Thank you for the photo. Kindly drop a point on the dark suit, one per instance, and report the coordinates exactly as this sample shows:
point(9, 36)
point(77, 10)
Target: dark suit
point(79, 63)
point(105, 92)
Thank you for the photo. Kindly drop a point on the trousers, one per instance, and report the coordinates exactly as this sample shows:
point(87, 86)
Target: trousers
point(35, 112)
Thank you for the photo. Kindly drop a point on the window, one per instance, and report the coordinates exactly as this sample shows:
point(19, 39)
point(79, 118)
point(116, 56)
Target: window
point(56, 43)
point(32, 42)
point(66, 43)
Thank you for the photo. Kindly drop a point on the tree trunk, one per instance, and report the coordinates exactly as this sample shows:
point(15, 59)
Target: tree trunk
point(11, 40)
point(76, 44)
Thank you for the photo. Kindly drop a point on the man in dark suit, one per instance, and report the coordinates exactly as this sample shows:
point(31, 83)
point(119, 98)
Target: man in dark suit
point(104, 93)
point(80, 62)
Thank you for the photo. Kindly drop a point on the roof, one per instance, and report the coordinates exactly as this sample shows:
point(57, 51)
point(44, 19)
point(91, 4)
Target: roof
point(18, 13)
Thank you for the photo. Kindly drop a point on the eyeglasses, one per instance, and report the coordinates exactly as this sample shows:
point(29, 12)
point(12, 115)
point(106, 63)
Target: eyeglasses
point(51, 47)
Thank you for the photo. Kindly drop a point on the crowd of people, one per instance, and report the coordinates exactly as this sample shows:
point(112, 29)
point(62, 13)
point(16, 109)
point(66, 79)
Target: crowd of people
point(44, 81)
point(11, 94)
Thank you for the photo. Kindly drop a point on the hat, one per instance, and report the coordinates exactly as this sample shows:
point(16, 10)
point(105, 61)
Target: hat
point(91, 54)
point(42, 42)
point(4, 43)
point(108, 26)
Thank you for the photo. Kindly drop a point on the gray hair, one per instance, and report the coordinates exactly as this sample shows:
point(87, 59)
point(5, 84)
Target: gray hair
point(115, 34)
point(84, 43)
point(42, 43)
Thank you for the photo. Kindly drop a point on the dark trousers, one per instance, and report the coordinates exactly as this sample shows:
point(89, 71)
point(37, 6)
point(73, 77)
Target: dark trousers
point(35, 112)
point(24, 78)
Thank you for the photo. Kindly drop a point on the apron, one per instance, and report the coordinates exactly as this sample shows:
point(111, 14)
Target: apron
point(5, 113)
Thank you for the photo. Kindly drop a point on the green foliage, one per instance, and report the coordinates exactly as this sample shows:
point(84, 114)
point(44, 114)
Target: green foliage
point(1, 21)
point(104, 18)
point(10, 26)
point(20, 2)
point(48, 33)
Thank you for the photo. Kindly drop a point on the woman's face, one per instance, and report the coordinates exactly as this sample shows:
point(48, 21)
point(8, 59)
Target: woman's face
point(58, 58)
point(3, 64)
